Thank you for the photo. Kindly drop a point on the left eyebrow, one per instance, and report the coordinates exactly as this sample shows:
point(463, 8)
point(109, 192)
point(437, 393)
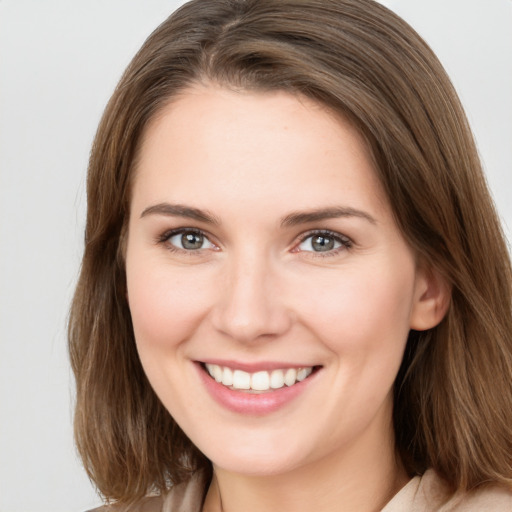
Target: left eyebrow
point(296, 218)
point(180, 210)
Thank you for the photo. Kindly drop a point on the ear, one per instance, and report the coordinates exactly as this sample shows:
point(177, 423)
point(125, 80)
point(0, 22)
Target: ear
point(432, 296)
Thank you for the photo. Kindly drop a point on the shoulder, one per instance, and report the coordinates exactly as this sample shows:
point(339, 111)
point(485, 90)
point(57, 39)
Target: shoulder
point(493, 497)
point(436, 498)
point(430, 494)
point(185, 497)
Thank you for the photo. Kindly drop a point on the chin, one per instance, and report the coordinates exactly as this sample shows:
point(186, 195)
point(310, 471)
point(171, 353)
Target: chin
point(256, 459)
point(256, 467)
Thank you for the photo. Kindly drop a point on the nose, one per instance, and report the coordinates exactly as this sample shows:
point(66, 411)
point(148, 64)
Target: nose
point(250, 305)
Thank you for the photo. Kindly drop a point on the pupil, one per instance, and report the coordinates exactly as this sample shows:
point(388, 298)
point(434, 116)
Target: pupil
point(192, 240)
point(322, 243)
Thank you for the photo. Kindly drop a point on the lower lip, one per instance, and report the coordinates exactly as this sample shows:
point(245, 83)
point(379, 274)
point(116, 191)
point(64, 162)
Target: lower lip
point(252, 403)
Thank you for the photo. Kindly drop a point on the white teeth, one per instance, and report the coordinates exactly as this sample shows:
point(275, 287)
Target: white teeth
point(217, 373)
point(303, 373)
point(227, 376)
point(277, 379)
point(241, 380)
point(290, 377)
point(258, 381)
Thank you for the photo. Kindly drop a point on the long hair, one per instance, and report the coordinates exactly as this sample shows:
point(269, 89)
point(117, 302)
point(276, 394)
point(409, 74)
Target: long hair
point(453, 393)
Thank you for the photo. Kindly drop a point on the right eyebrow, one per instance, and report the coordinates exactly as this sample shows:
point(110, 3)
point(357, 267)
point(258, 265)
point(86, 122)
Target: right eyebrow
point(180, 210)
point(297, 218)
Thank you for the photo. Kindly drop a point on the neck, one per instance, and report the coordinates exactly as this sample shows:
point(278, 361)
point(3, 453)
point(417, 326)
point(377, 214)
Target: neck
point(363, 477)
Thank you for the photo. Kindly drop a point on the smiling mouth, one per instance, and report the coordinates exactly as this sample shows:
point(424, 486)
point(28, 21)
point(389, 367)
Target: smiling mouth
point(260, 381)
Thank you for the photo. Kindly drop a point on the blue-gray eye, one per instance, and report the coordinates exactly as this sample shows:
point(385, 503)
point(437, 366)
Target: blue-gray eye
point(320, 243)
point(190, 241)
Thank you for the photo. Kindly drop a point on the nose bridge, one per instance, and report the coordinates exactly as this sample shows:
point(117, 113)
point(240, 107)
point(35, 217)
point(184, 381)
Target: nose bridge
point(250, 305)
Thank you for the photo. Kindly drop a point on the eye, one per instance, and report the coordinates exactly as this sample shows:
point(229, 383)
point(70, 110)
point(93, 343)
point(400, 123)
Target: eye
point(324, 242)
point(188, 240)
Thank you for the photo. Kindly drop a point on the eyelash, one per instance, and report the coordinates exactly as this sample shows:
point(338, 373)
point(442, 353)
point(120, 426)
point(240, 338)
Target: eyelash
point(165, 237)
point(345, 242)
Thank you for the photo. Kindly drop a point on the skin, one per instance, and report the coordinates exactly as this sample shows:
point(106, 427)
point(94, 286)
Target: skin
point(257, 290)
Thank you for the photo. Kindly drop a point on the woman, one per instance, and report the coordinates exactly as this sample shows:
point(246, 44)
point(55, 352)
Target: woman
point(295, 291)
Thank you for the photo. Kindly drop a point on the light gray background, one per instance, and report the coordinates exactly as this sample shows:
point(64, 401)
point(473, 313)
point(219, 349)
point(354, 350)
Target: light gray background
point(59, 62)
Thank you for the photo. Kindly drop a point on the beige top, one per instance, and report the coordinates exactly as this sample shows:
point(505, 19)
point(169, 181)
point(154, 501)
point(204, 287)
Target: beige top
point(421, 494)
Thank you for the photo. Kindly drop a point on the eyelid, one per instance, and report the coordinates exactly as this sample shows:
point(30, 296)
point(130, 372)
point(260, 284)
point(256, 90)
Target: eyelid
point(345, 241)
point(168, 234)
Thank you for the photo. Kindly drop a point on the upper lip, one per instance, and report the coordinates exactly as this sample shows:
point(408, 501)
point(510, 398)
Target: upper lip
point(257, 366)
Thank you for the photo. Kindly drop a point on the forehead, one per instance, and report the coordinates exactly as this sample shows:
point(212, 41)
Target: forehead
point(245, 146)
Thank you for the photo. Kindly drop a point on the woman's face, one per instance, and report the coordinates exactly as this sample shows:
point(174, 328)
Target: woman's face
point(263, 254)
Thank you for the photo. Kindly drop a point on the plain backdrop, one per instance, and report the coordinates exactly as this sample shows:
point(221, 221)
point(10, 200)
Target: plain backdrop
point(59, 62)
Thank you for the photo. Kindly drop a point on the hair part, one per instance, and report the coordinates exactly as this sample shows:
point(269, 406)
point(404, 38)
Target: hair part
point(453, 393)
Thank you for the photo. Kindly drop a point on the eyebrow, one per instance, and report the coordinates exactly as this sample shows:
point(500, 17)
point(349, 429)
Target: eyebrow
point(290, 220)
point(179, 210)
point(295, 218)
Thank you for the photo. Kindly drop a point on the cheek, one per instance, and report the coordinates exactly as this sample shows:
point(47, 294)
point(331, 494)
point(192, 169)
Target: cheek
point(166, 303)
point(362, 310)
point(362, 317)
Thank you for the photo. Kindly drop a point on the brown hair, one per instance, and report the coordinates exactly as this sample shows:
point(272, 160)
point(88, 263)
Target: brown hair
point(453, 393)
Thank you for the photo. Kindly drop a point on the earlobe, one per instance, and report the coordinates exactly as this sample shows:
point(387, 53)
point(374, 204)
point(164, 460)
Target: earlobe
point(431, 301)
